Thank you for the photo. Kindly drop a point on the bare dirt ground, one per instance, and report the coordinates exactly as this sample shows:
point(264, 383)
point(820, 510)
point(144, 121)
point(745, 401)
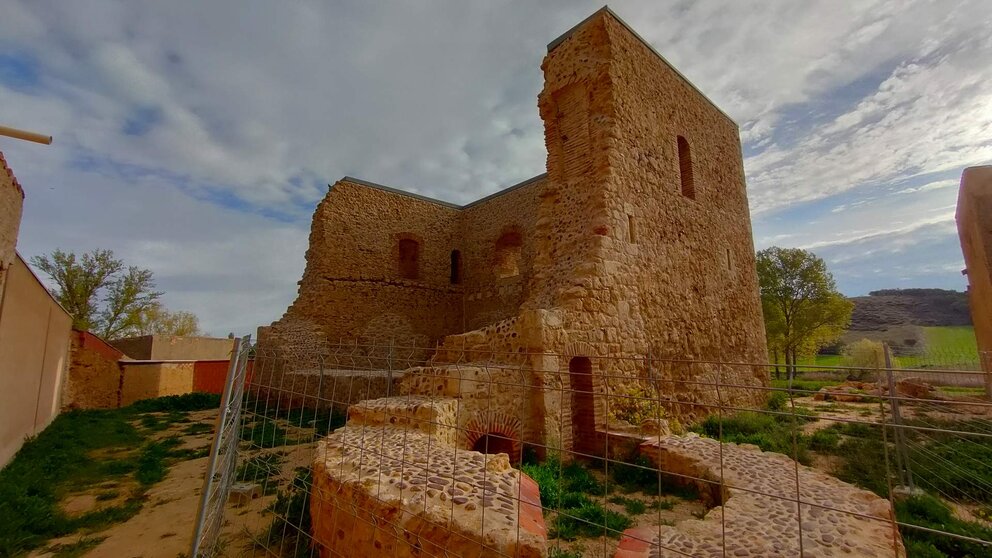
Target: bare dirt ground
point(164, 526)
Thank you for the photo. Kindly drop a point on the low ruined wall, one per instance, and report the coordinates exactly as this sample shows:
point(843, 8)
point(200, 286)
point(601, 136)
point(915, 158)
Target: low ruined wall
point(94, 377)
point(148, 379)
point(34, 347)
point(173, 347)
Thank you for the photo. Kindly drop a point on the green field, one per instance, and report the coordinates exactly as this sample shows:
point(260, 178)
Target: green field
point(952, 347)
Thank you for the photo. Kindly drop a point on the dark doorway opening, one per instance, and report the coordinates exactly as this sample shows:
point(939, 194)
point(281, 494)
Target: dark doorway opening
point(583, 405)
point(494, 443)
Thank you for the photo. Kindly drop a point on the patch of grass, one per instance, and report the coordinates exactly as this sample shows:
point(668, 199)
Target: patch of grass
point(322, 421)
point(824, 440)
point(589, 520)
point(661, 504)
point(198, 428)
point(266, 434)
point(632, 506)
point(801, 387)
point(109, 495)
point(565, 494)
point(292, 515)
point(76, 549)
point(260, 469)
point(78, 450)
point(927, 511)
point(152, 465)
point(950, 463)
point(641, 475)
point(557, 552)
point(777, 433)
point(186, 402)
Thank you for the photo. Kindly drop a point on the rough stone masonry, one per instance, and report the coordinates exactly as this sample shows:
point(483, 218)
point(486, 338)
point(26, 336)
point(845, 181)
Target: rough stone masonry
point(637, 242)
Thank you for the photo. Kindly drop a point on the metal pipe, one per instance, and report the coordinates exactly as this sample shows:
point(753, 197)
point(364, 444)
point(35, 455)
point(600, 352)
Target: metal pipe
point(25, 135)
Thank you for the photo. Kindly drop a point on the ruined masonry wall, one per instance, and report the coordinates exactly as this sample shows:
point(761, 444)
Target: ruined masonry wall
point(11, 204)
point(693, 258)
point(94, 376)
point(351, 287)
point(489, 298)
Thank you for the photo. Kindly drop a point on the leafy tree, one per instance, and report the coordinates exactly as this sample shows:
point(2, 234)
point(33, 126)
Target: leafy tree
point(803, 309)
point(101, 294)
point(157, 320)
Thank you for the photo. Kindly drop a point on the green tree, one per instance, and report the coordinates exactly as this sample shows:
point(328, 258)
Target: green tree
point(102, 295)
point(157, 320)
point(803, 309)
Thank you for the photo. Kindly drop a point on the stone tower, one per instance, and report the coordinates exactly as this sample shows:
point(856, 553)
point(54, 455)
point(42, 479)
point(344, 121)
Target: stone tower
point(630, 262)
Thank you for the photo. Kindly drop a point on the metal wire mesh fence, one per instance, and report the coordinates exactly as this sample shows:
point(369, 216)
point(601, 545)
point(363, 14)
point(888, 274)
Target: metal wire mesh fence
point(383, 450)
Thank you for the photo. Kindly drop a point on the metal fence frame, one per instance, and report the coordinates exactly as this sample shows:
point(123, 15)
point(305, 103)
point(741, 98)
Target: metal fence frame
point(390, 359)
point(223, 455)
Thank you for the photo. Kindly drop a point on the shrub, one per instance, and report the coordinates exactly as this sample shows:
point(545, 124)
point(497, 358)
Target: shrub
point(635, 403)
point(777, 401)
point(824, 440)
point(866, 356)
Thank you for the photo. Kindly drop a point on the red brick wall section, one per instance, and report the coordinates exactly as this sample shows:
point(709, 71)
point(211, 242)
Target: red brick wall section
point(209, 375)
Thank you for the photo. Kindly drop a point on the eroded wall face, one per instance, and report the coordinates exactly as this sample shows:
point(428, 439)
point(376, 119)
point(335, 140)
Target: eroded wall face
point(974, 219)
point(690, 252)
point(498, 248)
point(355, 287)
point(94, 377)
point(11, 203)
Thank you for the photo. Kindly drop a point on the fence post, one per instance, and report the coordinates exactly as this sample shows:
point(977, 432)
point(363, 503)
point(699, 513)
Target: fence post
point(902, 457)
point(986, 363)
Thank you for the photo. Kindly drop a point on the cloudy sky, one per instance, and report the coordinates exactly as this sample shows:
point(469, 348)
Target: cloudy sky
point(195, 138)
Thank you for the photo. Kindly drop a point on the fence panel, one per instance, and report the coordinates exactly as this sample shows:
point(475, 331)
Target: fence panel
point(370, 448)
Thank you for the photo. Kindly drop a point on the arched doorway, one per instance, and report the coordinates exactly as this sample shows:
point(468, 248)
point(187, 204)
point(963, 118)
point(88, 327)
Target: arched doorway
point(494, 443)
point(583, 404)
point(494, 432)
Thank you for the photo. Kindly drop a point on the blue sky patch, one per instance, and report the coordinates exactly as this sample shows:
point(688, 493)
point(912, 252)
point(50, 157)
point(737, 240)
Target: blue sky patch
point(19, 70)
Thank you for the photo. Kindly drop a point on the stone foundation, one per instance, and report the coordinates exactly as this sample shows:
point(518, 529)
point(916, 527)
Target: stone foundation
point(759, 516)
point(393, 483)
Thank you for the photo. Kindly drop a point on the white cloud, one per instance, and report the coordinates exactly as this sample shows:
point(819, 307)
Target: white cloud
point(256, 106)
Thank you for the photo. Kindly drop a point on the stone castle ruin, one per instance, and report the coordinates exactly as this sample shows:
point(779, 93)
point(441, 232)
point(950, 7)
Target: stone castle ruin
point(632, 258)
point(458, 338)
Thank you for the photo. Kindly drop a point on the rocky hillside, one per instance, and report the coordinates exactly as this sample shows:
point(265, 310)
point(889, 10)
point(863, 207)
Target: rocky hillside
point(902, 307)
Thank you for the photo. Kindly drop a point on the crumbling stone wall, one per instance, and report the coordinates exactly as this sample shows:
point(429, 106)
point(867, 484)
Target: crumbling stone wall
point(974, 218)
point(94, 378)
point(11, 203)
point(637, 243)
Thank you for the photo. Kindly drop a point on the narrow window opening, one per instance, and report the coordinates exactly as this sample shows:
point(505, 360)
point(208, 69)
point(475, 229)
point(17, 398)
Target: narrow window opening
point(456, 267)
point(631, 229)
point(409, 262)
point(685, 169)
point(507, 260)
point(730, 261)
